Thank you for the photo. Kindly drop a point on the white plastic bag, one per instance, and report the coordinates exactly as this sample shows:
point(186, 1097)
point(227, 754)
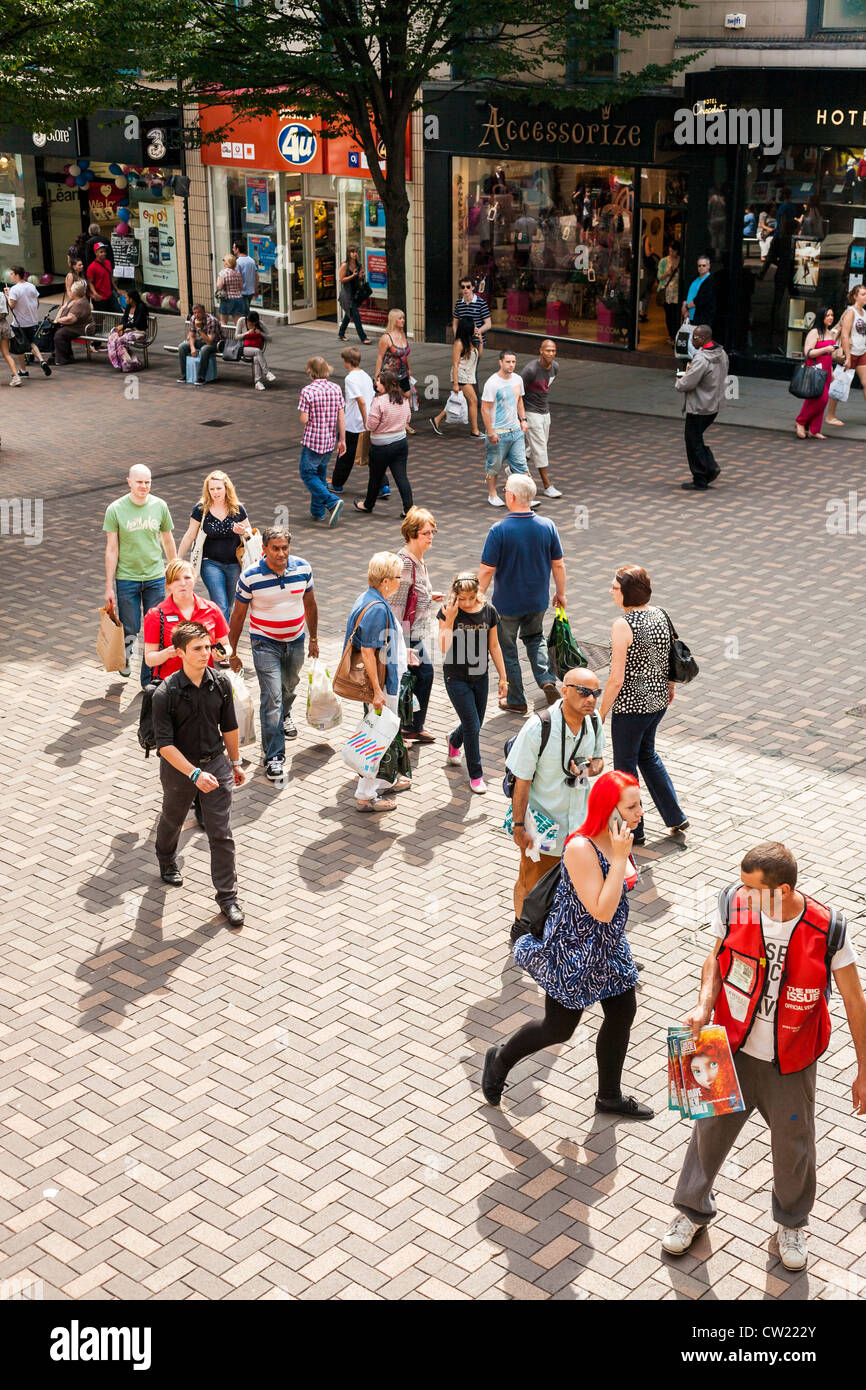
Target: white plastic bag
point(253, 550)
point(841, 383)
point(457, 409)
point(324, 710)
point(375, 733)
point(243, 707)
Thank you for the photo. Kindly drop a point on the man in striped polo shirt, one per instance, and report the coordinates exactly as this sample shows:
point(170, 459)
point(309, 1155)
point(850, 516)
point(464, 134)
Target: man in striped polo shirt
point(279, 596)
point(473, 306)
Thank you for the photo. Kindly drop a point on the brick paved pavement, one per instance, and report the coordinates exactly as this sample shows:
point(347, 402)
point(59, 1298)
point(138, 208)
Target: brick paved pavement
point(294, 1112)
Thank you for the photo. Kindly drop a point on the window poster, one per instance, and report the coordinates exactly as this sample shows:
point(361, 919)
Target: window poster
point(258, 212)
point(8, 220)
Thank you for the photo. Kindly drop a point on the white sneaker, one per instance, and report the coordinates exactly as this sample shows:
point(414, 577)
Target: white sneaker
point(478, 785)
point(496, 501)
point(679, 1235)
point(792, 1247)
point(260, 386)
point(455, 756)
point(270, 376)
point(552, 491)
point(16, 381)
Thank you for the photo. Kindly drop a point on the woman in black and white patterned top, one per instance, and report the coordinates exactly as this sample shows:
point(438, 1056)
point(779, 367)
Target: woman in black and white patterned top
point(638, 691)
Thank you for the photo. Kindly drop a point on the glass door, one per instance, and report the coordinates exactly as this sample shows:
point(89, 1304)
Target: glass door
point(326, 251)
point(302, 299)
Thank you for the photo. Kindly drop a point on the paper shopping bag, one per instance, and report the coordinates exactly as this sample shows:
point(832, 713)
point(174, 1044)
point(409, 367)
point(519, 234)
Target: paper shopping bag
point(110, 645)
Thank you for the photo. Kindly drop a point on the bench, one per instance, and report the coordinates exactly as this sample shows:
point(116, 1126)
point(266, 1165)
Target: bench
point(228, 332)
point(97, 331)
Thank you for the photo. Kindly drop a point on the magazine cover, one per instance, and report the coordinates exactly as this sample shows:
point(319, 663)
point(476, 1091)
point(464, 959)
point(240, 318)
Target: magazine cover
point(709, 1077)
point(676, 1092)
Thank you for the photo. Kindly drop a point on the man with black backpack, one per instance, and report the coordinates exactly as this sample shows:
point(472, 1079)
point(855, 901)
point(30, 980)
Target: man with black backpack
point(195, 727)
point(549, 764)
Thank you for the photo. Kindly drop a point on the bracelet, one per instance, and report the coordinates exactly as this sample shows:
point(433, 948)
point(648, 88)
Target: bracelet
point(239, 763)
point(194, 775)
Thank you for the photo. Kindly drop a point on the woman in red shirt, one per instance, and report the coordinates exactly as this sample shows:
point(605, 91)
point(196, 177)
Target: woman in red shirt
point(182, 604)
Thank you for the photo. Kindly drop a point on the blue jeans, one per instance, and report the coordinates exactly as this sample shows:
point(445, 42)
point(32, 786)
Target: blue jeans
point(511, 449)
point(634, 750)
point(423, 684)
point(469, 698)
point(355, 317)
point(528, 627)
point(278, 667)
point(314, 469)
point(220, 580)
point(134, 597)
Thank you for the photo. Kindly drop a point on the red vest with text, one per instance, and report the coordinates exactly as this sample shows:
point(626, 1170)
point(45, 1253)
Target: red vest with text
point(802, 1024)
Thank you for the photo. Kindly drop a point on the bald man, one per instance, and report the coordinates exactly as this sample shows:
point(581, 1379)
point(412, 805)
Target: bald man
point(538, 377)
point(138, 529)
point(552, 760)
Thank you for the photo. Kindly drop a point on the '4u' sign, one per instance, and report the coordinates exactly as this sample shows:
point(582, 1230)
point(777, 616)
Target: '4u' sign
point(297, 144)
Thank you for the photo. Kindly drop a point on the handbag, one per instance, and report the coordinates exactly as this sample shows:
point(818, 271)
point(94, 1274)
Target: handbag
point(840, 386)
point(808, 382)
point(233, 350)
point(411, 599)
point(197, 552)
point(682, 666)
point(350, 678)
point(363, 292)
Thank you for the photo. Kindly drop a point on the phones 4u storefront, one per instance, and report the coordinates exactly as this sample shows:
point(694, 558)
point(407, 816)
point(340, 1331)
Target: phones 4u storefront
point(560, 216)
point(294, 200)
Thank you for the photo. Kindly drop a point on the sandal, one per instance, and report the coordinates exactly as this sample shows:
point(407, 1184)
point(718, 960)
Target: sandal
point(359, 507)
point(379, 803)
point(402, 784)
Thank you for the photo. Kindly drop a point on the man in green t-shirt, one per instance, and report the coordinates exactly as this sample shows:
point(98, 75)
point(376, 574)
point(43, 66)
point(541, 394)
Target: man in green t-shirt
point(138, 529)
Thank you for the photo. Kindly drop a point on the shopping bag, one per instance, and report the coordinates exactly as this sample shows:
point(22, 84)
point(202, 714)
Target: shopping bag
point(457, 409)
point(110, 644)
point(197, 552)
point(406, 698)
point(841, 383)
point(564, 652)
point(324, 710)
point(395, 762)
point(376, 732)
point(249, 552)
point(243, 706)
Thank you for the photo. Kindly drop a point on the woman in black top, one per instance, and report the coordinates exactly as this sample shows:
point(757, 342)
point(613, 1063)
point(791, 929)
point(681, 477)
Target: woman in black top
point(131, 331)
point(224, 522)
point(467, 637)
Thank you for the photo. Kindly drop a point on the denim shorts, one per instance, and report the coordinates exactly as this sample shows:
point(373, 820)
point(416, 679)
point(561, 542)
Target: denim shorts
point(232, 306)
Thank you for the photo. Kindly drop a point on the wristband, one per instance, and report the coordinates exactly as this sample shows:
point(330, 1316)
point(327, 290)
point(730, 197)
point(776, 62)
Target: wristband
point(194, 775)
point(239, 763)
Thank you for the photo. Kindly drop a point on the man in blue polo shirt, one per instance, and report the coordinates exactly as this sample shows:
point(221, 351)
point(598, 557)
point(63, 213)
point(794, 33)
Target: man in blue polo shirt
point(522, 551)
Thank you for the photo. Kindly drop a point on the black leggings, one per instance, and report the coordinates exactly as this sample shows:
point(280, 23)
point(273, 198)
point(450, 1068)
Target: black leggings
point(382, 457)
point(558, 1025)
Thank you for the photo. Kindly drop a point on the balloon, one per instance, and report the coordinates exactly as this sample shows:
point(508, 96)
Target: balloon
point(69, 181)
point(92, 176)
point(123, 214)
point(173, 302)
point(82, 180)
point(85, 163)
point(47, 278)
point(167, 300)
point(75, 170)
point(114, 170)
point(123, 229)
point(33, 279)
point(152, 299)
point(156, 188)
point(121, 181)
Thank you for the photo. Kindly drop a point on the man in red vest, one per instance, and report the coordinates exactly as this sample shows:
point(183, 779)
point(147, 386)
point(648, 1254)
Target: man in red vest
point(767, 980)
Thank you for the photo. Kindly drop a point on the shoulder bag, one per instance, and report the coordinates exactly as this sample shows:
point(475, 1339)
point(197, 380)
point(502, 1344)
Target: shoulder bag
point(233, 350)
point(363, 292)
point(808, 382)
point(412, 597)
point(350, 678)
point(682, 666)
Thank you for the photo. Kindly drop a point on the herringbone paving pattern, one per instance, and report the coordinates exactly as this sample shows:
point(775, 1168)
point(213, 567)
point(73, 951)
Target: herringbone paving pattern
point(293, 1111)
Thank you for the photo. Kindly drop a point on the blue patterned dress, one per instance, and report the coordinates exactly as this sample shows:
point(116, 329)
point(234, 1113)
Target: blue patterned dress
point(579, 960)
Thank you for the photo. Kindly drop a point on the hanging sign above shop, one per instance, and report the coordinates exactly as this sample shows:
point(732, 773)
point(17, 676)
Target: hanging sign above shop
point(617, 134)
point(286, 141)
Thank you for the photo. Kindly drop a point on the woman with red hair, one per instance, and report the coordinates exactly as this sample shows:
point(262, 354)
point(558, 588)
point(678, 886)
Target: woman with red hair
point(583, 956)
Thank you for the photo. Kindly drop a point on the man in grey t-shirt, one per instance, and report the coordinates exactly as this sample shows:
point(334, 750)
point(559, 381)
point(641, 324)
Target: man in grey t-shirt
point(538, 377)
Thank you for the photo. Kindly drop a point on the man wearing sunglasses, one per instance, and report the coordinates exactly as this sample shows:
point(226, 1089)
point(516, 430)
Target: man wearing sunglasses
point(552, 768)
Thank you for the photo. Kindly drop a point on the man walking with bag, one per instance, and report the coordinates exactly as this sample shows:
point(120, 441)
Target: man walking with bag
point(196, 732)
point(704, 385)
point(278, 594)
point(138, 531)
point(767, 981)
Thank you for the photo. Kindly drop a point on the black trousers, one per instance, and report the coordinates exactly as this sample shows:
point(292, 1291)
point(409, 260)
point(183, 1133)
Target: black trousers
point(382, 457)
point(178, 794)
point(698, 453)
point(673, 319)
point(558, 1025)
point(344, 465)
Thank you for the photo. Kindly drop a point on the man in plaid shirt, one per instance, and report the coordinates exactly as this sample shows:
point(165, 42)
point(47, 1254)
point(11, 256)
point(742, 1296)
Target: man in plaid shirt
point(323, 417)
point(203, 339)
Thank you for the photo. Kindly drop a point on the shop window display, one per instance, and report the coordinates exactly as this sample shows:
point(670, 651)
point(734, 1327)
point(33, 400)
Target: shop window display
point(20, 241)
point(245, 210)
point(803, 243)
point(549, 246)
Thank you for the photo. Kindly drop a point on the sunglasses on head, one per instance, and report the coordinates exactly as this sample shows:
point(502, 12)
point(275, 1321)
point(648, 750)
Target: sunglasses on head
point(586, 690)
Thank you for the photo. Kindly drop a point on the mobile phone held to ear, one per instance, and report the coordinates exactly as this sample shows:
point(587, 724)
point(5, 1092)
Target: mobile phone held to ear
point(616, 821)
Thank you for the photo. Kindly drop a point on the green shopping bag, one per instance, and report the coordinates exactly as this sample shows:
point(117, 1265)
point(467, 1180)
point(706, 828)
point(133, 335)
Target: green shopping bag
point(564, 652)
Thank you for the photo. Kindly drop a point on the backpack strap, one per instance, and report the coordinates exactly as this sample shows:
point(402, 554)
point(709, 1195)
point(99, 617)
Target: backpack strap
point(544, 720)
point(725, 899)
point(836, 932)
point(158, 673)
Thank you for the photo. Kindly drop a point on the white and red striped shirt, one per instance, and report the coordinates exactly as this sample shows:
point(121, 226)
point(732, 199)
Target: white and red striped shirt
point(276, 600)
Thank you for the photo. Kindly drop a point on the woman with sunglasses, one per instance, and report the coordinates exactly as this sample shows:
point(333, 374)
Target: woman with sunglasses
point(583, 955)
point(468, 639)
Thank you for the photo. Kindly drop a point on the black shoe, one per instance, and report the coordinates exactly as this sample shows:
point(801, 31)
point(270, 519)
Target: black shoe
point(711, 477)
point(233, 913)
point(492, 1078)
point(626, 1105)
point(196, 806)
point(679, 829)
point(693, 487)
point(638, 839)
point(171, 874)
point(45, 367)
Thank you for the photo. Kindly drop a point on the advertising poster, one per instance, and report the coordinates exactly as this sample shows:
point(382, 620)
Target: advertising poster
point(806, 261)
point(158, 246)
point(377, 273)
point(258, 211)
point(374, 213)
point(263, 250)
point(8, 220)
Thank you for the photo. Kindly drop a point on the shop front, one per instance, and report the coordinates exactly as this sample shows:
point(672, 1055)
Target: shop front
point(559, 216)
point(294, 199)
point(793, 220)
point(53, 187)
